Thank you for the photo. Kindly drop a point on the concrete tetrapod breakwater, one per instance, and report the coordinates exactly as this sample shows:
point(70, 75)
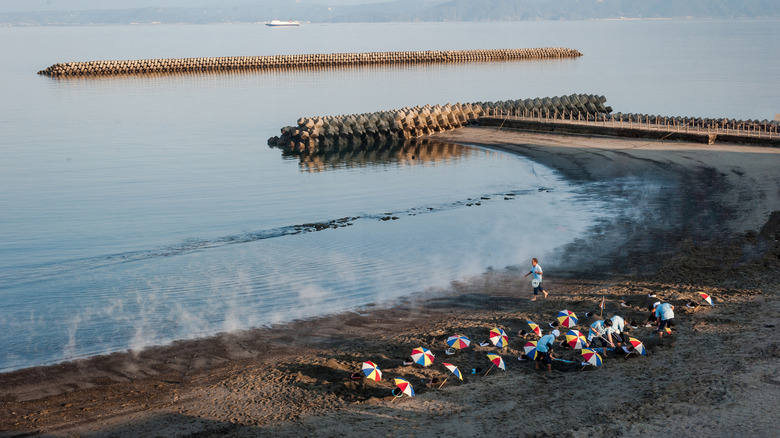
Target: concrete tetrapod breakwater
point(276, 62)
point(321, 134)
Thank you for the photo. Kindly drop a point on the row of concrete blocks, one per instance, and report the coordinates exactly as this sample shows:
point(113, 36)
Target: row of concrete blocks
point(238, 63)
point(322, 133)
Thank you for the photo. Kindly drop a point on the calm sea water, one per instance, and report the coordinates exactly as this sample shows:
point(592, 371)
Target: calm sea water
point(138, 211)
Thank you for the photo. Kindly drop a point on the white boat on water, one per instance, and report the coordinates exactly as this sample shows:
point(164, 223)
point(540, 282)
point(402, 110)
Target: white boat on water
point(283, 23)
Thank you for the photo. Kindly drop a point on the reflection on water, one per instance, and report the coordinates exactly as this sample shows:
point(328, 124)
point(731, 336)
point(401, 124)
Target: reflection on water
point(402, 153)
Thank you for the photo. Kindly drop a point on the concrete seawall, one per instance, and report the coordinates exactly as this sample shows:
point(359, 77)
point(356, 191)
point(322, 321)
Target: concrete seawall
point(275, 62)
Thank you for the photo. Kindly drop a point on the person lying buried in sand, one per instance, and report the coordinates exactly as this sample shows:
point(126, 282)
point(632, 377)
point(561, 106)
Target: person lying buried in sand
point(664, 313)
point(536, 270)
point(544, 349)
point(691, 305)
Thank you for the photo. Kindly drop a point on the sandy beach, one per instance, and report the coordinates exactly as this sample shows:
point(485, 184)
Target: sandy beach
point(702, 222)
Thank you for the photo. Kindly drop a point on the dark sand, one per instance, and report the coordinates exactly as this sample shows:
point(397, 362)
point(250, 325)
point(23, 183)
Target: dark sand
point(705, 227)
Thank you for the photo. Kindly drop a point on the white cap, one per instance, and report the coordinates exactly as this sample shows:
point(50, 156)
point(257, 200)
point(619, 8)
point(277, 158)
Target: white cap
point(556, 333)
point(656, 304)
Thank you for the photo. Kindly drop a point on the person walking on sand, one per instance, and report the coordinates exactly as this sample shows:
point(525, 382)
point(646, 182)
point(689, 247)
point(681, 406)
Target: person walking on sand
point(544, 347)
point(536, 270)
point(664, 312)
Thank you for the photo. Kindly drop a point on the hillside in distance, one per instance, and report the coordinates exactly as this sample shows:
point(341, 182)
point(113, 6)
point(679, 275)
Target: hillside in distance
point(237, 11)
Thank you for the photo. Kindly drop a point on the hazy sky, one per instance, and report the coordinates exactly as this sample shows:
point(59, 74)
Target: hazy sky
point(60, 5)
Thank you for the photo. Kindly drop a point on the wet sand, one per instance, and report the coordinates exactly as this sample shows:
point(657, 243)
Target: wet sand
point(705, 227)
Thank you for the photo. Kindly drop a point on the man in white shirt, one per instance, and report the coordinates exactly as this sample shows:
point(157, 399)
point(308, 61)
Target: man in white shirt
point(616, 331)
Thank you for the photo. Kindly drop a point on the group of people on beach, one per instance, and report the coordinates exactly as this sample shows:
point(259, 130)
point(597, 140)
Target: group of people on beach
point(610, 333)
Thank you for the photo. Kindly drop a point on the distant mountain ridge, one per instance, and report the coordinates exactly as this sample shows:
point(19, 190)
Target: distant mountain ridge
point(406, 11)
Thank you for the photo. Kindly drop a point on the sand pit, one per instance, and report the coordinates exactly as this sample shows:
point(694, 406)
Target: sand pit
point(716, 375)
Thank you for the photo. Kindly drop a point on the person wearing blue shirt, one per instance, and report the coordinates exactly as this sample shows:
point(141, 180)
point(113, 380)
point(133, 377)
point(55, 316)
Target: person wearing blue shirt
point(600, 330)
point(664, 313)
point(544, 348)
point(536, 270)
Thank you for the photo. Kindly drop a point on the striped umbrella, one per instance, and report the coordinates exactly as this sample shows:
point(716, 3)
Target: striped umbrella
point(371, 371)
point(496, 360)
point(422, 356)
point(458, 342)
point(567, 318)
point(454, 370)
point(499, 338)
point(576, 340)
point(706, 298)
point(530, 350)
point(535, 327)
point(405, 387)
point(591, 357)
point(639, 347)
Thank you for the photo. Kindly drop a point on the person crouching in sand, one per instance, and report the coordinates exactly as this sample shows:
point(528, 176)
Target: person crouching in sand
point(664, 312)
point(544, 349)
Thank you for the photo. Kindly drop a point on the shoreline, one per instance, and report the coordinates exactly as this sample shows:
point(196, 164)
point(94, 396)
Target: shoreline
point(293, 379)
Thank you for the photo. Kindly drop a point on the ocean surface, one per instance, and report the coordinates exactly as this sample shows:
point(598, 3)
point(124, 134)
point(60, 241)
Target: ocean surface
point(135, 211)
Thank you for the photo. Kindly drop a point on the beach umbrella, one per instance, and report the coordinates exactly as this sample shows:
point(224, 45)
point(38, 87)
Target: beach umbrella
point(371, 371)
point(458, 342)
point(496, 360)
point(499, 338)
point(422, 356)
point(638, 346)
point(535, 327)
point(591, 357)
point(567, 318)
point(706, 298)
point(454, 370)
point(530, 350)
point(404, 386)
point(576, 340)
